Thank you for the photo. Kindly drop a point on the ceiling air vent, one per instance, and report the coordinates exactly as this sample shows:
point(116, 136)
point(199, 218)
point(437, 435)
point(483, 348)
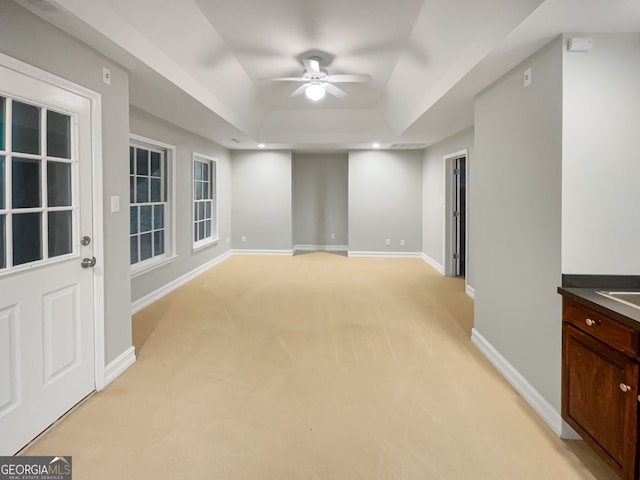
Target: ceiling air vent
point(408, 146)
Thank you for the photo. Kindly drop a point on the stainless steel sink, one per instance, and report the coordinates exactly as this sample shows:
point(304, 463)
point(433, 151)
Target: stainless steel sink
point(629, 298)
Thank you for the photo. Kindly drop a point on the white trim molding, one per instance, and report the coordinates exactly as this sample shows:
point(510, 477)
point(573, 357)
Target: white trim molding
point(261, 252)
point(352, 253)
point(118, 366)
point(156, 295)
point(539, 404)
point(433, 264)
point(470, 291)
point(320, 248)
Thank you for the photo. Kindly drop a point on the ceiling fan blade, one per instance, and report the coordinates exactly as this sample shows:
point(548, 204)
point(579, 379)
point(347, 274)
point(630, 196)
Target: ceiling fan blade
point(354, 78)
point(312, 65)
point(282, 79)
point(335, 91)
point(299, 91)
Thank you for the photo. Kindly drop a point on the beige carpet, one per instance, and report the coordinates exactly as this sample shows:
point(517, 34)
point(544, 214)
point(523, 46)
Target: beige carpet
point(312, 367)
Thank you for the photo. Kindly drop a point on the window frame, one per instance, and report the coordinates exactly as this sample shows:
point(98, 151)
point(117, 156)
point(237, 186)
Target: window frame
point(214, 238)
point(142, 267)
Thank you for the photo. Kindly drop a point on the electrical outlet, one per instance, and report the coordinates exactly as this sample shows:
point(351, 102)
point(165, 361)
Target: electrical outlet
point(402, 243)
point(527, 77)
point(106, 75)
point(333, 236)
point(387, 242)
point(244, 239)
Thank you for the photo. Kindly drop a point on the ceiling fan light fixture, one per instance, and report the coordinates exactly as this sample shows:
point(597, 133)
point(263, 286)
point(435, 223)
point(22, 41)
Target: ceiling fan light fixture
point(315, 92)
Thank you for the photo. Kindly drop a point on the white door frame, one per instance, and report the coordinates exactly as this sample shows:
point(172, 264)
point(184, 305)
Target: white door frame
point(447, 224)
point(96, 173)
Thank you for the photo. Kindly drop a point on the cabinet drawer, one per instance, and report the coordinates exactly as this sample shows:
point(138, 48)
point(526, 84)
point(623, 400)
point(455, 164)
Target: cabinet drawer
point(612, 332)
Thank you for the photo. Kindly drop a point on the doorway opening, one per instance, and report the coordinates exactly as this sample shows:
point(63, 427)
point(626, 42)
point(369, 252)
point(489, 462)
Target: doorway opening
point(455, 214)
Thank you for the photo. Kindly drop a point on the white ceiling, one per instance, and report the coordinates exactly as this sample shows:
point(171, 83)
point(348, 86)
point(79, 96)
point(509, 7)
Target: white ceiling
point(196, 63)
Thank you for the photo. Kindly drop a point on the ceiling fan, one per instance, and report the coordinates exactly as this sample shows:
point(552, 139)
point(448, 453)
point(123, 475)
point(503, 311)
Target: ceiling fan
point(317, 82)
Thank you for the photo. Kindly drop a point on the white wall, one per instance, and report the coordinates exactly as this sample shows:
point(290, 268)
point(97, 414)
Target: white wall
point(516, 221)
point(186, 143)
point(601, 163)
point(261, 207)
point(320, 199)
point(433, 195)
point(32, 40)
point(385, 200)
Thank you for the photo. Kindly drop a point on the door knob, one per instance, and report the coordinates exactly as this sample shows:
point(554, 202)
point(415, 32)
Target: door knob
point(625, 388)
point(88, 262)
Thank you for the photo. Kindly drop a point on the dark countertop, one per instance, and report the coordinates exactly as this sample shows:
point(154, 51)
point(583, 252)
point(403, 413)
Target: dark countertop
point(588, 297)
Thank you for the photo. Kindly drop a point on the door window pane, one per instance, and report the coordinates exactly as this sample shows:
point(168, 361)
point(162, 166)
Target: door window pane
point(132, 170)
point(145, 246)
point(26, 128)
point(27, 238)
point(2, 201)
point(132, 189)
point(25, 183)
point(3, 243)
point(59, 233)
point(58, 184)
point(133, 247)
point(2, 121)
point(58, 135)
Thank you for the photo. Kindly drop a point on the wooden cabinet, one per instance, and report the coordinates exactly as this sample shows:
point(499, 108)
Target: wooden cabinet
point(600, 384)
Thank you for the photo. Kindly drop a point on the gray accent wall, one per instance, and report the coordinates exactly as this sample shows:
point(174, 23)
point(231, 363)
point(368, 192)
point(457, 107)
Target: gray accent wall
point(26, 37)
point(516, 196)
point(385, 200)
point(320, 199)
point(433, 195)
point(261, 208)
point(601, 164)
point(186, 144)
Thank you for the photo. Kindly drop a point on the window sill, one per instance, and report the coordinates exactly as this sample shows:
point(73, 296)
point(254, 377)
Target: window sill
point(138, 270)
point(201, 245)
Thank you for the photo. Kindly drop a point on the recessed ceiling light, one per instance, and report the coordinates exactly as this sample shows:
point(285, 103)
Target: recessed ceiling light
point(376, 145)
point(261, 145)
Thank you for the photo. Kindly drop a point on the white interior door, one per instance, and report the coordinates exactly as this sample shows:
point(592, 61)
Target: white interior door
point(46, 296)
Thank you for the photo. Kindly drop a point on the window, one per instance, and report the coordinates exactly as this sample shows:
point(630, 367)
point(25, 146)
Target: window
point(38, 214)
point(205, 229)
point(150, 225)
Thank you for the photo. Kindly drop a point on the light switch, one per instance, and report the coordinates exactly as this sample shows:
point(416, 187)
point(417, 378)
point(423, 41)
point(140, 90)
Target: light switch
point(115, 204)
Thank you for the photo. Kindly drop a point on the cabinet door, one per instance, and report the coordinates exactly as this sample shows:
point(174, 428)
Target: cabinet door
point(599, 398)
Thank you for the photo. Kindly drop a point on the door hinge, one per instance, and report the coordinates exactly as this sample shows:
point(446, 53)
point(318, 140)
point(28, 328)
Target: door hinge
point(456, 171)
point(456, 256)
point(456, 214)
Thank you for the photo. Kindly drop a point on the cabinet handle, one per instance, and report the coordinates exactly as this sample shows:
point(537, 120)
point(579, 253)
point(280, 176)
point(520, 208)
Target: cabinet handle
point(591, 323)
point(625, 388)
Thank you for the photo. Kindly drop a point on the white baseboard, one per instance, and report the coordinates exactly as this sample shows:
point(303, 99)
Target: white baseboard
point(156, 295)
point(541, 406)
point(352, 253)
point(431, 262)
point(119, 365)
point(470, 291)
point(320, 248)
point(261, 252)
